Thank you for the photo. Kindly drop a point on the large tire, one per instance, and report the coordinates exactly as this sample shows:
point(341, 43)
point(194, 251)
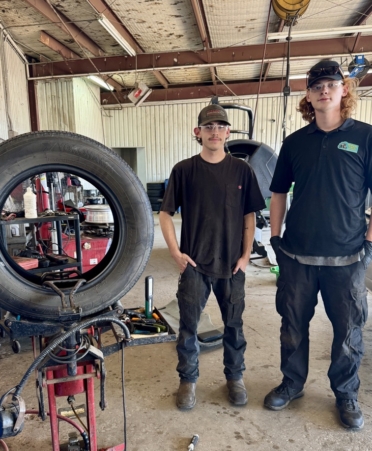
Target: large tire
point(260, 157)
point(35, 153)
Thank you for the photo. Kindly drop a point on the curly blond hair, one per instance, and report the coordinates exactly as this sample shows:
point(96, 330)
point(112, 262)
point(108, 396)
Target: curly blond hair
point(348, 103)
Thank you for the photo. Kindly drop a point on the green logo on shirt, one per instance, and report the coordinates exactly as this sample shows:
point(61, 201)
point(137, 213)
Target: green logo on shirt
point(344, 145)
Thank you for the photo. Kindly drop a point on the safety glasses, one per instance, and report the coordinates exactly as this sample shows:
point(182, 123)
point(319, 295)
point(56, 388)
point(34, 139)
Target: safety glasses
point(331, 70)
point(212, 127)
point(331, 86)
point(323, 72)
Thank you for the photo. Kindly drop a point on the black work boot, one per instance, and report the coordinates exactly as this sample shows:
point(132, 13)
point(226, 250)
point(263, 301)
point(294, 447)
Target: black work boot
point(350, 414)
point(237, 392)
point(281, 396)
point(186, 395)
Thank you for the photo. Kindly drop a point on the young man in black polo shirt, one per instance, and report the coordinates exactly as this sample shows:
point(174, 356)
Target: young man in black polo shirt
point(326, 246)
point(218, 195)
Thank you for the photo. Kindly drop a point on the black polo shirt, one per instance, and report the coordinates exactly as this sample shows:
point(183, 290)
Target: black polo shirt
point(332, 172)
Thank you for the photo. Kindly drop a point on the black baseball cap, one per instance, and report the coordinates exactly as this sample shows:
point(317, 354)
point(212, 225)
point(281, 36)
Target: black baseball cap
point(324, 69)
point(212, 113)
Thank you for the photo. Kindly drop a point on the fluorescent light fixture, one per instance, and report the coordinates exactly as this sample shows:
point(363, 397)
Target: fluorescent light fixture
point(107, 25)
point(100, 82)
point(322, 32)
point(297, 77)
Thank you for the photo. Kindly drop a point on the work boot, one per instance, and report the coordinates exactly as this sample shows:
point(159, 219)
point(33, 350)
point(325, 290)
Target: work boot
point(186, 395)
point(350, 414)
point(237, 392)
point(281, 396)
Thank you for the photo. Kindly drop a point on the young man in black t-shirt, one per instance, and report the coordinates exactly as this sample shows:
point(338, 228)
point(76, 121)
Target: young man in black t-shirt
point(218, 195)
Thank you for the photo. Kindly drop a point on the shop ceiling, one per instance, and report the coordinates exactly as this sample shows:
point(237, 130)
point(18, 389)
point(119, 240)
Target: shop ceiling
point(184, 49)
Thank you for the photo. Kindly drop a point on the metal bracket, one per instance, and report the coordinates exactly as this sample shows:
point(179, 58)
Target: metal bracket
point(21, 413)
point(71, 313)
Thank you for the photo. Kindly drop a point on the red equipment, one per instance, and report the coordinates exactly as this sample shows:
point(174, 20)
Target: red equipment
point(74, 385)
point(42, 202)
point(93, 249)
point(76, 377)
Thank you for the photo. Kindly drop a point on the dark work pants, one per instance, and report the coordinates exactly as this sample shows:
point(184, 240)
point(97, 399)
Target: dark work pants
point(345, 300)
point(194, 289)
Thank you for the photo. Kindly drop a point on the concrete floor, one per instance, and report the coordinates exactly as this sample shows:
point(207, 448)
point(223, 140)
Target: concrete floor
point(151, 382)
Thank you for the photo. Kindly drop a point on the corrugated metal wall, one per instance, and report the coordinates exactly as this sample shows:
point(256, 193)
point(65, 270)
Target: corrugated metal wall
point(55, 102)
point(3, 109)
point(87, 101)
point(166, 130)
point(70, 105)
point(364, 109)
point(14, 107)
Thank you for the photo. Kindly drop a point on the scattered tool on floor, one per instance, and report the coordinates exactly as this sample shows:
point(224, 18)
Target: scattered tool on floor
point(193, 443)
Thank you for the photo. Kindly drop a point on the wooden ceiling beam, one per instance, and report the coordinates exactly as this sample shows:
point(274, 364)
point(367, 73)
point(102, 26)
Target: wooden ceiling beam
point(63, 22)
point(57, 46)
point(110, 81)
point(268, 65)
point(220, 90)
point(161, 79)
point(251, 54)
point(203, 31)
point(67, 54)
point(206, 91)
point(362, 21)
point(202, 27)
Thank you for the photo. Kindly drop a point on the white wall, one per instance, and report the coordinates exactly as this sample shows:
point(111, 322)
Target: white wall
point(87, 106)
point(55, 103)
point(14, 106)
point(72, 105)
point(166, 130)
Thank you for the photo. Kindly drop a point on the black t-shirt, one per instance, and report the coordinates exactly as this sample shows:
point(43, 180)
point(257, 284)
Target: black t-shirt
point(213, 198)
point(332, 173)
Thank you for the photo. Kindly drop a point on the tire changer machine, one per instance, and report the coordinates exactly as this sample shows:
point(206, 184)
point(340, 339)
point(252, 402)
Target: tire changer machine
point(74, 317)
point(70, 357)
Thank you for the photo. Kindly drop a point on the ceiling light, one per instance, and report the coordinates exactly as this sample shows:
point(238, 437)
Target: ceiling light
point(100, 82)
point(297, 77)
point(109, 27)
point(322, 32)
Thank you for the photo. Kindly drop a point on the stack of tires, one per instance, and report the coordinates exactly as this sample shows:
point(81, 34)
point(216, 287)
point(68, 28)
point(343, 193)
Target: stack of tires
point(155, 191)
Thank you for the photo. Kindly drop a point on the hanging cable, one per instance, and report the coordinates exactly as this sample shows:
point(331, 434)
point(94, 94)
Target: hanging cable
point(83, 325)
point(287, 88)
point(262, 63)
point(123, 391)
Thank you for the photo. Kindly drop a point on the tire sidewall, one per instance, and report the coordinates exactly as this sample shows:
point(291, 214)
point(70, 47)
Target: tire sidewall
point(34, 153)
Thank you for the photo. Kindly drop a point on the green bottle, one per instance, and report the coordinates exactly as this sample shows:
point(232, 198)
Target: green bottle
point(149, 286)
